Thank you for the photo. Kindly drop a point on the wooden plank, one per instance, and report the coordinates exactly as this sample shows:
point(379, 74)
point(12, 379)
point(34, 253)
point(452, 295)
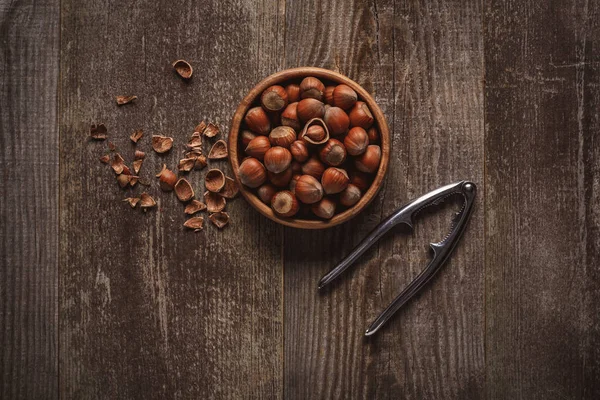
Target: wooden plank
point(29, 200)
point(542, 241)
point(149, 310)
point(424, 64)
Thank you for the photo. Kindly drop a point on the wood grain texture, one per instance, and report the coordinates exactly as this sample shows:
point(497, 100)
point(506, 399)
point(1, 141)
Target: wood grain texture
point(29, 199)
point(148, 309)
point(542, 243)
point(423, 62)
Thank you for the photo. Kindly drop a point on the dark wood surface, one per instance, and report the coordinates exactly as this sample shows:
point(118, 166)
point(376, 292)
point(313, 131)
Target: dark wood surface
point(100, 301)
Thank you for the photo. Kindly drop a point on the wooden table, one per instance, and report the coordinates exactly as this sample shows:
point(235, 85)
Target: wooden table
point(101, 301)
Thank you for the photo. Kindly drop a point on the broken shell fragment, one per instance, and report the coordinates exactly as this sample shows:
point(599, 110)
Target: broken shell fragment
point(161, 144)
point(200, 127)
point(231, 188)
point(118, 164)
point(194, 223)
point(139, 155)
point(125, 99)
point(183, 68)
point(214, 180)
point(146, 201)
point(211, 130)
point(132, 201)
point(112, 146)
point(184, 190)
point(214, 202)
point(133, 180)
point(123, 180)
point(136, 135)
point(200, 162)
point(218, 150)
point(220, 219)
point(194, 206)
point(105, 158)
point(195, 141)
point(167, 179)
point(137, 164)
point(186, 164)
point(98, 132)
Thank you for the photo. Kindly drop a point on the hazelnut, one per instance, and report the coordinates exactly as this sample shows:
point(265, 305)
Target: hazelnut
point(324, 208)
point(258, 147)
point(274, 98)
point(299, 151)
point(284, 204)
point(337, 120)
point(282, 136)
point(293, 182)
point(257, 121)
point(167, 179)
point(373, 134)
point(360, 115)
point(333, 153)
point(334, 180)
point(293, 92)
point(360, 180)
point(344, 97)
point(350, 195)
point(247, 136)
point(289, 117)
point(277, 159)
point(311, 87)
point(356, 141)
point(313, 167)
point(328, 95)
point(369, 160)
point(308, 189)
point(281, 179)
point(266, 193)
point(252, 173)
point(315, 132)
point(310, 108)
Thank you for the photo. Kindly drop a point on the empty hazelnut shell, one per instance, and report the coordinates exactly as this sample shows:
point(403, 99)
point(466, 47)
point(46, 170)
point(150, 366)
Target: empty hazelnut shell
point(231, 189)
point(219, 219)
point(214, 202)
point(161, 144)
point(183, 190)
point(194, 223)
point(183, 68)
point(214, 180)
point(218, 150)
point(194, 206)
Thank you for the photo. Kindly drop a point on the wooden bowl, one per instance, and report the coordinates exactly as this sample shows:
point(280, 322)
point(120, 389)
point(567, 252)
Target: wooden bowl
point(296, 75)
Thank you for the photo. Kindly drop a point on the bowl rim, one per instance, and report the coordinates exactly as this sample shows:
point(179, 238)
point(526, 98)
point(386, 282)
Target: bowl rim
point(296, 73)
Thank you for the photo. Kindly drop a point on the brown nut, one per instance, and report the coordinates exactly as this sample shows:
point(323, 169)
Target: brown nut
point(360, 115)
point(373, 134)
point(334, 180)
point(324, 209)
point(167, 179)
point(266, 192)
point(299, 151)
point(328, 95)
point(293, 92)
point(344, 97)
point(277, 159)
point(258, 147)
point(284, 204)
point(308, 189)
point(313, 167)
point(293, 182)
point(315, 132)
point(333, 153)
point(350, 196)
point(289, 117)
point(369, 160)
point(257, 121)
point(282, 136)
point(310, 108)
point(247, 136)
point(252, 173)
point(337, 120)
point(214, 180)
point(356, 141)
point(281, 179)
point(274, 98)
point(311, 87)
point(360, 180)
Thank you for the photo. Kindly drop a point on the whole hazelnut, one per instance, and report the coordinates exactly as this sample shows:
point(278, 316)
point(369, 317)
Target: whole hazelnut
point(310, 108)
point(282, 136)
point(369, 160)
point(284, 204)
point(311, 87)
point(252, 173)
point(360, 115)
point(337, 120)
point(281, 179)
point(328, 95)
point(299, 151)
point(293, 92)
point(277, 159)
point(333, 153)
point(373, 134)
point(167, 179)
point(258, 147)
point(257, 121)
point(313, 167)
point(266, 192)
point(308, 189)
point(356, 141)
point(247, 136)
point(274, 98)
point(324, 208)
point(350, 196)
point(344, 97)
point(289, 117)
point(334, 180)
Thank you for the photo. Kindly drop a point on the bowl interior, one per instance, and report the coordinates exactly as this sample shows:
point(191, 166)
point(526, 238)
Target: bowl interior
point(296, 75)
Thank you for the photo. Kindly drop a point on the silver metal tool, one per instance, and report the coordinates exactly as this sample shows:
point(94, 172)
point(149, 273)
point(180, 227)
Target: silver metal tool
point(441, 250)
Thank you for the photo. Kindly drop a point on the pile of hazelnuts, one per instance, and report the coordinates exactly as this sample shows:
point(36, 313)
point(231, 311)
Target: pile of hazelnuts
point(311, 149)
